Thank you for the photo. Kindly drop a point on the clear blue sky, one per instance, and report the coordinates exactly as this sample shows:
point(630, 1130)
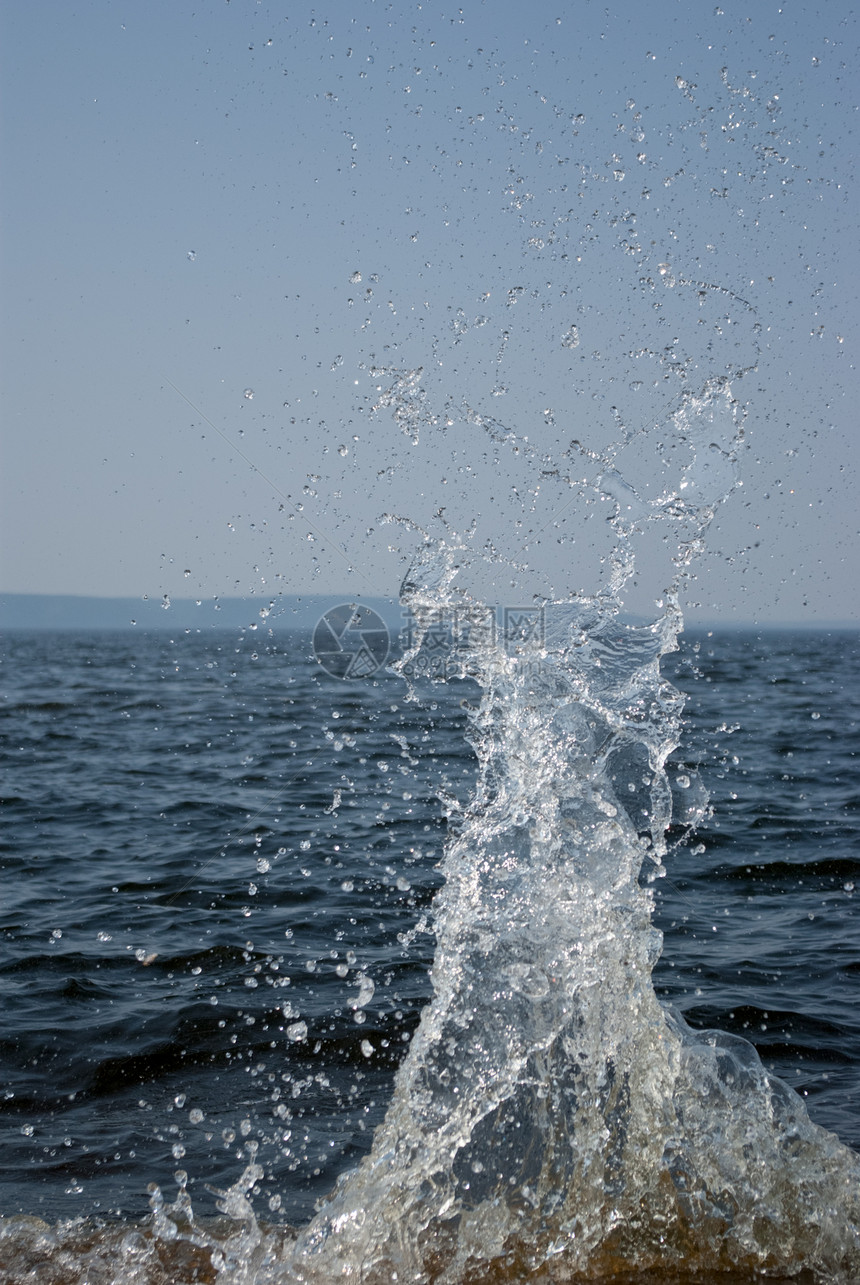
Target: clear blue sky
point(192, 191)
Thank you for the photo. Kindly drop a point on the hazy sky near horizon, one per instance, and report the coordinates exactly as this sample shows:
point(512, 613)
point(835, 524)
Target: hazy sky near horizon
point(235, 233)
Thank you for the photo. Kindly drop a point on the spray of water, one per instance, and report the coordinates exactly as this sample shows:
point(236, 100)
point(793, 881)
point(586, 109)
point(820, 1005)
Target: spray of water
point(551, 1114)
point(552, 1120)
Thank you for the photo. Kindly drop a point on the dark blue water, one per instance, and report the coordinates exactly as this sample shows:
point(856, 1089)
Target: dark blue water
point(213, 853)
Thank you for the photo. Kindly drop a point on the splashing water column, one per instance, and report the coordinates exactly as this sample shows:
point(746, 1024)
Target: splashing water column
point(551, 1113)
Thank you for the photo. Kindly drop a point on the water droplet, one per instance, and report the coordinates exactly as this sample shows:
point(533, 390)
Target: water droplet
point(366, 989)
point(249, 394)
point(367, 1048)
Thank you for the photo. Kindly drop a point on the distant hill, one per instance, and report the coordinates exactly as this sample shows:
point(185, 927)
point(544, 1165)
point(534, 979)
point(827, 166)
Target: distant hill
point(34, 611)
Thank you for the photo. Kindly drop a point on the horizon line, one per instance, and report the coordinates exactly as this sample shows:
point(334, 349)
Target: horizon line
point(237, 601)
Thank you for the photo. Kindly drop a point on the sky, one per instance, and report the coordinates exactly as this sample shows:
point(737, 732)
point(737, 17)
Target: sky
point(287, 287)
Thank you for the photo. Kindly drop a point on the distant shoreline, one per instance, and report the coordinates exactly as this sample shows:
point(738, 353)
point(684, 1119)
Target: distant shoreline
point(60, 612)
point(23, 612)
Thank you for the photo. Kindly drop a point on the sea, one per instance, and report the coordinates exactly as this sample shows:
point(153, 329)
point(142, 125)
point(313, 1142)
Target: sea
point(218, 925)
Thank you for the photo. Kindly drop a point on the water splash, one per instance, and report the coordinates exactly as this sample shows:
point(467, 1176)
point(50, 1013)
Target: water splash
point(551, 1114)
point(552, 1119)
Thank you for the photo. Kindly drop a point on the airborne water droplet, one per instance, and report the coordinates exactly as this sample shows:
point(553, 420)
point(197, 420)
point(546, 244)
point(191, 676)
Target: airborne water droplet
point(366, 990)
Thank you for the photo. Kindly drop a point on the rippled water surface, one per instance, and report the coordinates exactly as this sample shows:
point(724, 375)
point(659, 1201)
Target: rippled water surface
point(218, 867)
